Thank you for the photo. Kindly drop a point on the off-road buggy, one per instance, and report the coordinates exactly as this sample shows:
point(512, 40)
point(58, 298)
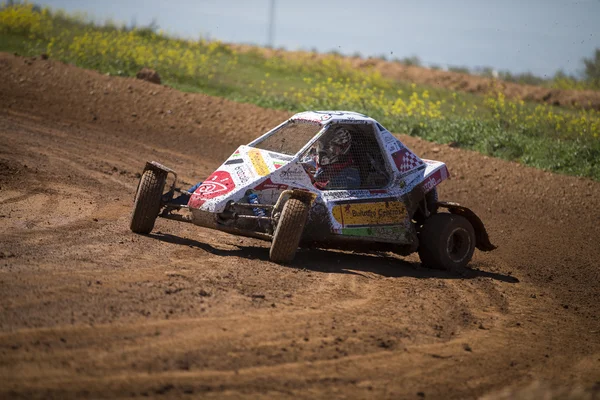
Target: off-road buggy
point(329, 179)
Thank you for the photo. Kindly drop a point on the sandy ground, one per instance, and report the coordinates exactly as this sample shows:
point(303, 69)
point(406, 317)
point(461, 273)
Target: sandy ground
point(91, 310)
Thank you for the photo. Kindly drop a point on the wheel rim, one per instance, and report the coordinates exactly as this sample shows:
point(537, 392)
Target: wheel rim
point(458, 245)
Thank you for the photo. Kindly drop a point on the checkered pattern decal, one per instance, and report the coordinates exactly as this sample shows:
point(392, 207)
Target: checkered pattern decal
point(405, 160)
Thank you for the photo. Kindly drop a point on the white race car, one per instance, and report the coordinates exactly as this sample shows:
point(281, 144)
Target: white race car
point(329, 179)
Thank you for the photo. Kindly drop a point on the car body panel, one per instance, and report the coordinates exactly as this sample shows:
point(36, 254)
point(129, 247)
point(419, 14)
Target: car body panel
point(382, 214)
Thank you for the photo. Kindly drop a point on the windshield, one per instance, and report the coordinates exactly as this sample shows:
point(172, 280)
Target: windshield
point(290, 138)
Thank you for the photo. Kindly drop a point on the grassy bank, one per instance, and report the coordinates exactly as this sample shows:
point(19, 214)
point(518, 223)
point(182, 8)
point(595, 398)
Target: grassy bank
point(564, 140)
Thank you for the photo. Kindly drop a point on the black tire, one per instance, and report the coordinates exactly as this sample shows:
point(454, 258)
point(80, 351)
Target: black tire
point(446, 241)
point(146, 205)
point(288, 231)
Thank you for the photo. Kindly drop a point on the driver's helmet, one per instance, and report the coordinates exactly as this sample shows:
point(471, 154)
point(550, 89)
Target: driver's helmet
point(332, 151)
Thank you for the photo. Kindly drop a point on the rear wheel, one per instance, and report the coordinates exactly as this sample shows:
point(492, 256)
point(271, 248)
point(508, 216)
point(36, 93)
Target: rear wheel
point(446, 241)
point(146, 205)
point(288, 231)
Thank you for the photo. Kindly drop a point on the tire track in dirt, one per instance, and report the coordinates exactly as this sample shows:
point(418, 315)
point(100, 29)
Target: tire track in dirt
point(83, 298)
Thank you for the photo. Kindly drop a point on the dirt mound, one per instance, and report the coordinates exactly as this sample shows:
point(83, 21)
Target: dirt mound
point(481, 85)
point(150, 75)
point(588, 99)
point(90, 309)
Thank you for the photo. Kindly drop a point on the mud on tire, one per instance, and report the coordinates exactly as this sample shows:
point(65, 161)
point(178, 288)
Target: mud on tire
point(146, 205)
point(289, 231)
point(446, 241)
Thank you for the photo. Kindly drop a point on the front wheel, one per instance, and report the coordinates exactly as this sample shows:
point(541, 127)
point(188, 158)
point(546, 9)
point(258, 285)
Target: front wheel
point(446, 241)
point(146, 205)
point(288, 231)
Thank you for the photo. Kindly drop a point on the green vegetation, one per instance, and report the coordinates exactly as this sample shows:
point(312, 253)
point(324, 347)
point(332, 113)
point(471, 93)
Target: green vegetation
point(560, 80)
point(592, 69)
point(559, 139)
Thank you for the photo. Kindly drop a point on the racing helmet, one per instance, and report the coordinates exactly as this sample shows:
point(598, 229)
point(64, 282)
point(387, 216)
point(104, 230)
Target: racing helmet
point(332, 151)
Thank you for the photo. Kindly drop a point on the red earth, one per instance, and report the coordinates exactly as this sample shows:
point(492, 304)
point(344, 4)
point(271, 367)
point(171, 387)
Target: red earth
point(91, 310)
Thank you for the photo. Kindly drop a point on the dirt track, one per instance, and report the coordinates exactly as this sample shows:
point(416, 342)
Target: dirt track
point(91, 310)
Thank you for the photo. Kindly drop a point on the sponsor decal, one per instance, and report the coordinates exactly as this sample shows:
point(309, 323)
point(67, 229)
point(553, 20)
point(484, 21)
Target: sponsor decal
point(258, 162)
point(350, 194)
point(237, 154)
point(340, 194)
point(393, 147)
point(218, 184)
point(352, 121)
point(377, 213)
point(388, 232)
point(269, 184)
point(434, 179)
point(313, 117)
point(292, 175)
point(317, 115)
point(355, 194)
point(195, 202)
point(277, 156)
point(242, 174)
point(405, 160)
point(430, 183)
point(278, 160)
point(387, 137)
